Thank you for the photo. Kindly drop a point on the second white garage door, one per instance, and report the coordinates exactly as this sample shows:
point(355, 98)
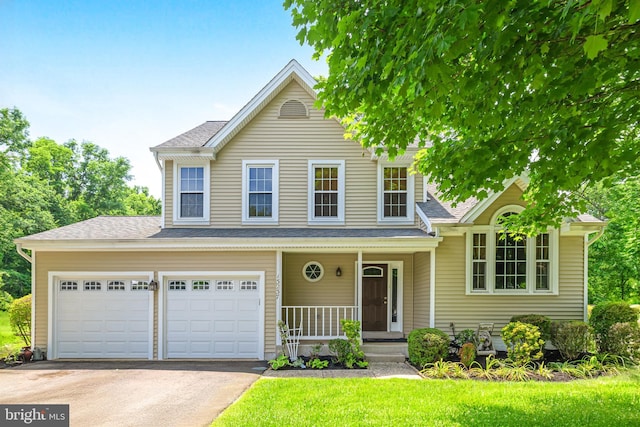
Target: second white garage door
point(217, 317)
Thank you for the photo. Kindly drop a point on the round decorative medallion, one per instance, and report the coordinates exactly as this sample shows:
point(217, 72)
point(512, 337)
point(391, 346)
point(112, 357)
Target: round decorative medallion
point(313, 271)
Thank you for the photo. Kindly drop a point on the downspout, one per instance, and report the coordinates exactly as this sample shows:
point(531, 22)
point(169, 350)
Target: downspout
point(24, 254)
point(588, 242)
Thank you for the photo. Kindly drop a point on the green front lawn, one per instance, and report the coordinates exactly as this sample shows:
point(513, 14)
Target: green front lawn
point(604, 401)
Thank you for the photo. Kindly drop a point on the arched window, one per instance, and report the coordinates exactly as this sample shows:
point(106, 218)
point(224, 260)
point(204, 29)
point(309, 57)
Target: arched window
point(501, 262)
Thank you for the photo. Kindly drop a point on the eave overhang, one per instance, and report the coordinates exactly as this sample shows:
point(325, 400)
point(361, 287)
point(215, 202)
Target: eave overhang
point(402, 244)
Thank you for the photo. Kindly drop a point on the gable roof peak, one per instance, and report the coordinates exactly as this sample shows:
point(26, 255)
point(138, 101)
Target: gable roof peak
point(292, 71)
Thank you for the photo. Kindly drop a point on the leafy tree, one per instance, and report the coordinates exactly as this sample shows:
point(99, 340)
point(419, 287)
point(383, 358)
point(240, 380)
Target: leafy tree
point(614, 260)
point(140, 202)
point(499, 88)
point(14, 132)
point(44, 185)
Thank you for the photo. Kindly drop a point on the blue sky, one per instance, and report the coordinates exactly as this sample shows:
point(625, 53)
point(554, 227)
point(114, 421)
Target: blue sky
point(129, 75)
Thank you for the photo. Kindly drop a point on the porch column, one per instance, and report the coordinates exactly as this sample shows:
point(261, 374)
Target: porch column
point(278, 293)
point(359, 286)
point(432, 288)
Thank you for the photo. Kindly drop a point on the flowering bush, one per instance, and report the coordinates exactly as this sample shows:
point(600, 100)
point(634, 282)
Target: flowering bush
point(523, 342)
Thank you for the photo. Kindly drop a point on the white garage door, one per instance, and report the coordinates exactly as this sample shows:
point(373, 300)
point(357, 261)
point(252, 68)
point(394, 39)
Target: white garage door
point(102, 318)
point(213, 317)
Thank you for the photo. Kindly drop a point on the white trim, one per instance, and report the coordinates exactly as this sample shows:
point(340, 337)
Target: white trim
point(585, 267)
point(292, 69)
point(432, 288)
point(410, 217)
point(206, 209)
point(275, 196)
point(279, 293)
point(490, 232)
point(425, 220)
point(482, 205)
point(359, 286)
point(166, 275)
point(394, 244)
point(312, 219)
point(52, 350)
point(33, 299)
point(163, 203)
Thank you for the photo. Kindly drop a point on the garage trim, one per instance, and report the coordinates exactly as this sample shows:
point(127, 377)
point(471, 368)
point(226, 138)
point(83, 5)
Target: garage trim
point(52, 350)
point(162, 303)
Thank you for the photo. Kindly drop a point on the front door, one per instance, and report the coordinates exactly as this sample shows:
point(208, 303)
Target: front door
point(374, 298)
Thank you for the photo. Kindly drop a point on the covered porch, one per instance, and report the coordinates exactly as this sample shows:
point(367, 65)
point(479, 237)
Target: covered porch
point(389, 292)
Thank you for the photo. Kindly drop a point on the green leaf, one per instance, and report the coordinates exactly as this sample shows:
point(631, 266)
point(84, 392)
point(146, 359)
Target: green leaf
point(605, 9)
point(594, 45)
point(634, 11)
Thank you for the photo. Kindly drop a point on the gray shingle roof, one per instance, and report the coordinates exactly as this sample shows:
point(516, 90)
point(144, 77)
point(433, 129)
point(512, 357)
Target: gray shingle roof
point(195, 137)
point(439, 211)
point(146, 227)
point(103, 227)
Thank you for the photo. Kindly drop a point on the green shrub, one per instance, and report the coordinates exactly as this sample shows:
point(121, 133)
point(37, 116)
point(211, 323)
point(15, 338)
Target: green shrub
point(348, 352)
point(427, 345)
point(20, 318)
point(572, 338)
point(467, 354)
point(341, 349)
point(624, 341)
point(604, 316)
point(465, 336)
point(542, 322)
point(523, 342)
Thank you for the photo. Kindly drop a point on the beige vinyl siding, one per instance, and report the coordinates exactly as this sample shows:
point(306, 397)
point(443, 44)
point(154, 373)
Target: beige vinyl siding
point(155, 261)
point(168, 193)
point(330, 290)
point(466, 311)
point(421, 289)
point(293, 142)
point(511, 196)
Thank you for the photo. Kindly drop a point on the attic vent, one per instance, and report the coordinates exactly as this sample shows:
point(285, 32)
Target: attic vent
point(293, 109)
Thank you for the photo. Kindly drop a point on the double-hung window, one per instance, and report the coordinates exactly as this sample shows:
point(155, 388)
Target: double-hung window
point(260, 191)
point(326, 191)
point(396, 198)
point(192, 194)
point(501, 263)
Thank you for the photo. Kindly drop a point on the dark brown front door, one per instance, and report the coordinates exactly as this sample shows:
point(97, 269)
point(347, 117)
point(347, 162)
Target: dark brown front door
point(374, 300)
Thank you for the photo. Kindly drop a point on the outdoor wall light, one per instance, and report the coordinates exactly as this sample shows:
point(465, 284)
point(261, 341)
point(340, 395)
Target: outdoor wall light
point(338, 272)
point(153, 285)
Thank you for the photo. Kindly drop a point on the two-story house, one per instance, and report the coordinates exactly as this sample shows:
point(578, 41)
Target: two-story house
point(274, 215)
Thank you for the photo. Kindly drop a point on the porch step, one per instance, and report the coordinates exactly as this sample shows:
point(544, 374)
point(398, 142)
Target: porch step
point(376, 357)
point(385, 351)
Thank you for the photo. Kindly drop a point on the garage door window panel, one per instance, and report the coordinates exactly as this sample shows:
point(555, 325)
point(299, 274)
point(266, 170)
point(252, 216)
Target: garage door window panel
point(68, 286)
point(115, 285)
point(200, 285)
point(177, 285)
point(92, 285)
point(139, 285)
point(225, 285)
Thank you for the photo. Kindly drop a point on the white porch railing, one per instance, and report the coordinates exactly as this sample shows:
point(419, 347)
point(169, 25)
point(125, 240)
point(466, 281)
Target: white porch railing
point(318, 322)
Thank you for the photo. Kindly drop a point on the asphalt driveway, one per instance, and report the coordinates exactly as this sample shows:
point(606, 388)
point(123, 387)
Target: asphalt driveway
point(146, 393)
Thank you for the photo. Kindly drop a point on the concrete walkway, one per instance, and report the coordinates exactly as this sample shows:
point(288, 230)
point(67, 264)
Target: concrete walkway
point(375, 370)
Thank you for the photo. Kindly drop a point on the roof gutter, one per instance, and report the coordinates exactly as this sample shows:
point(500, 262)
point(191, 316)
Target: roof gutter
point(155, 156)
point(592, 240)
point(23, 254)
